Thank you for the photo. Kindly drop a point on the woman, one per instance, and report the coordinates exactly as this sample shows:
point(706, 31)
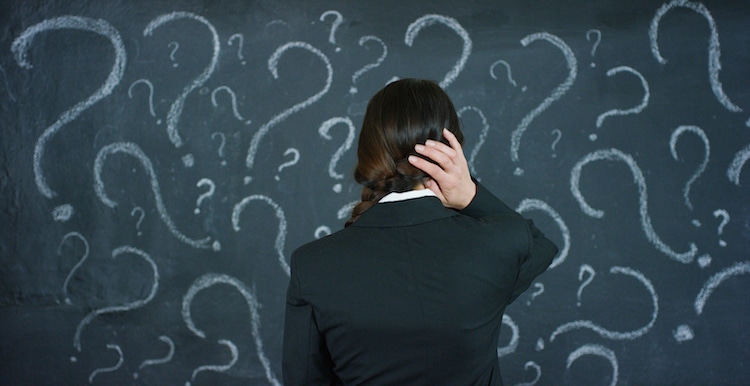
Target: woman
point(413, 290)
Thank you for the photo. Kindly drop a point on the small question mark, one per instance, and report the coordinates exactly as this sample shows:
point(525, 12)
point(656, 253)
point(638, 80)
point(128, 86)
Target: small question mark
point(77, 265)
point(209, 193)
point(218, 368)
point(585, 268)
point(171, 55)
point(558, 133)
point(159, 361)
point(108, 369)
point(334, 26)
point(234, 103)
point(596, 43)
point(370, 66)
point(293, 162)
point(150, 96)
point(221, 146)
point(240, 39)
point(725, 219)
point(536, 293)
point(507, 68)
point(323, 131)
point(140, 219)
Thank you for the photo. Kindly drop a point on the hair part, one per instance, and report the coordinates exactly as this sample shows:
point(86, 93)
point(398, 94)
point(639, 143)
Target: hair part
point(403, 114)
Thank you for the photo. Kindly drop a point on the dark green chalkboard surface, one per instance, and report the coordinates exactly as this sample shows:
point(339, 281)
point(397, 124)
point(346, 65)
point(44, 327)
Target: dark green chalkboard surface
point(160, 160)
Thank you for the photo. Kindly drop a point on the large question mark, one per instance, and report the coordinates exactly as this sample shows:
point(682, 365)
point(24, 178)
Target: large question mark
point(596, 350)
point(634, 110)
point(135, 151)
point(159, 361)
point(239, 39)
point(531, 204)
point(221, 145)
point(77, 265)
point(336, 23)
point(702, 167)
point(585, 268)
point(173, 116)
point(218, 368)
point(324, 132)
point(273, 62)
point(20, 48)
point(207, 194)
point(616, 335)
point(482, 135)
point(370, 66)
point(295, 158)
point(109, 369)
point(648, 229)
point(596, 43)
point(174, 46)
point(233, 98)
point(714, 66)
point(559, 91)
point(414, 28)
point(140, 219)
point(725, 220)
point(124, 307)
point(150, 95)
point(739, 160)
point(515, 337)
point(209, 280)
point(280, 235)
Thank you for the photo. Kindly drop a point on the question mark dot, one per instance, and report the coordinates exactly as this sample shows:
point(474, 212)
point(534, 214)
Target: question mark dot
point(593, 65)
point(338, 49)
point(593, 137)
point(223, 163)
point(722, 243)
point(216, 246)
point(135, 375)
point(188, 160)
point(73, 359)
point(697, 223)
point(158, 121)
point(277, 177)
point(175, 65)
point(523, 89)
point(244, 62)
point(337, 188)
point(353, 90)
point(540, 344)
point(197, 211)
point(704, 261)
point(518, 172)
point(248, 179)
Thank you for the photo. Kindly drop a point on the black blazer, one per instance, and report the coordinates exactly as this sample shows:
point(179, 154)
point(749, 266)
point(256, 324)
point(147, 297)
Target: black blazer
point(412, 293)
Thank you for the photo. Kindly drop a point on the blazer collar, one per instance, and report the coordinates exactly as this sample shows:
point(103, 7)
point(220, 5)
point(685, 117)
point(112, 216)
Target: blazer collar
point(404, 213)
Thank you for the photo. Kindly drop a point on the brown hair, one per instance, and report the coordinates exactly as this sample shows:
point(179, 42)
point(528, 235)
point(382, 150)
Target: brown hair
point(404, 113)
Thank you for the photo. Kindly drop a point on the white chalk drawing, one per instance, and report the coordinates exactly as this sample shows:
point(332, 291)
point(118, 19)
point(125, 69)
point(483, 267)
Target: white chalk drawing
point(364, 39)
point(558, 135)
point(427, 20)
point(482, 135)
point(20, 48)
point(683, 333)
point(534, 204)
point(739, 160)
point(210, 192)
point(346, 211)
point(135, 151)
point(221, 145)
point(596, 42)
point(240, 39)
point(324, 131)
point(174, 46)
point(322, 231)
point(338, 19)
point(233, 99)
point(537, 369)
point(714, 281)
point(150, 95)
point(507, 69)
point(140, 218)
point(295, 159)
point(211, 279)
point(724, 221)
point(173, 116)
point(273, 62)
point(515, 337)
point(159, 361)
point(280, 236)
point(585, 268)
point(539, 291)
point(634, 110)
point(648, 229)
point(77, 266)
point(557, 93)
point(714, 51)
point(63, 212)
point(706, 155)
point(218, 368)
point(103, 370)
point(596, 350)
point(616, 335)
point(127, 306)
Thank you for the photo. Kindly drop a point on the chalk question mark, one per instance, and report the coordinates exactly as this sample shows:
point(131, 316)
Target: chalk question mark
point(209, 193)
point(370, 66)
point(150, 95)
point(140, 219)
point(221, 146)
point(539, 291)
point(725, 220)
point(174, 46)
point(77, 265)
point(218, 368)
point(585, 268)
point(239, 39)
point(558, 134)
point(706, 155)
point(735, 168)
point(159, 361)
point(323, 131)
point(336, 22)
point(292, 162)
point(108, 369)
point(507, 69)
point(233, 98)
point(280, 235)
point(596, 43)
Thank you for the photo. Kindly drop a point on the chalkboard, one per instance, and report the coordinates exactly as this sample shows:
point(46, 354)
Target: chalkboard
point(161, 160)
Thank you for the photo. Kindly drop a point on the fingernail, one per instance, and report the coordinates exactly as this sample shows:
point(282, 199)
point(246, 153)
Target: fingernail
point(430, 142)
point(412, 158)
point(419, 147)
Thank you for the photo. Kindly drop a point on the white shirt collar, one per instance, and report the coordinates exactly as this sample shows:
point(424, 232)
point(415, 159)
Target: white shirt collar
point(395, 196)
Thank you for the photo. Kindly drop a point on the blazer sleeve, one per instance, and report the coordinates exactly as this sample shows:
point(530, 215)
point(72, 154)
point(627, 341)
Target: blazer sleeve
point(540, 251)
point(305, 357)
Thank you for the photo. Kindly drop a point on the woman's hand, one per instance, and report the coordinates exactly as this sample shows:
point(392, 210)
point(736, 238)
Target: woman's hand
point(451, 180)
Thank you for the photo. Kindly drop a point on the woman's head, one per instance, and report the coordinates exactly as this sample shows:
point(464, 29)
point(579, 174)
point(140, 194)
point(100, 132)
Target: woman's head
point(404, 113)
